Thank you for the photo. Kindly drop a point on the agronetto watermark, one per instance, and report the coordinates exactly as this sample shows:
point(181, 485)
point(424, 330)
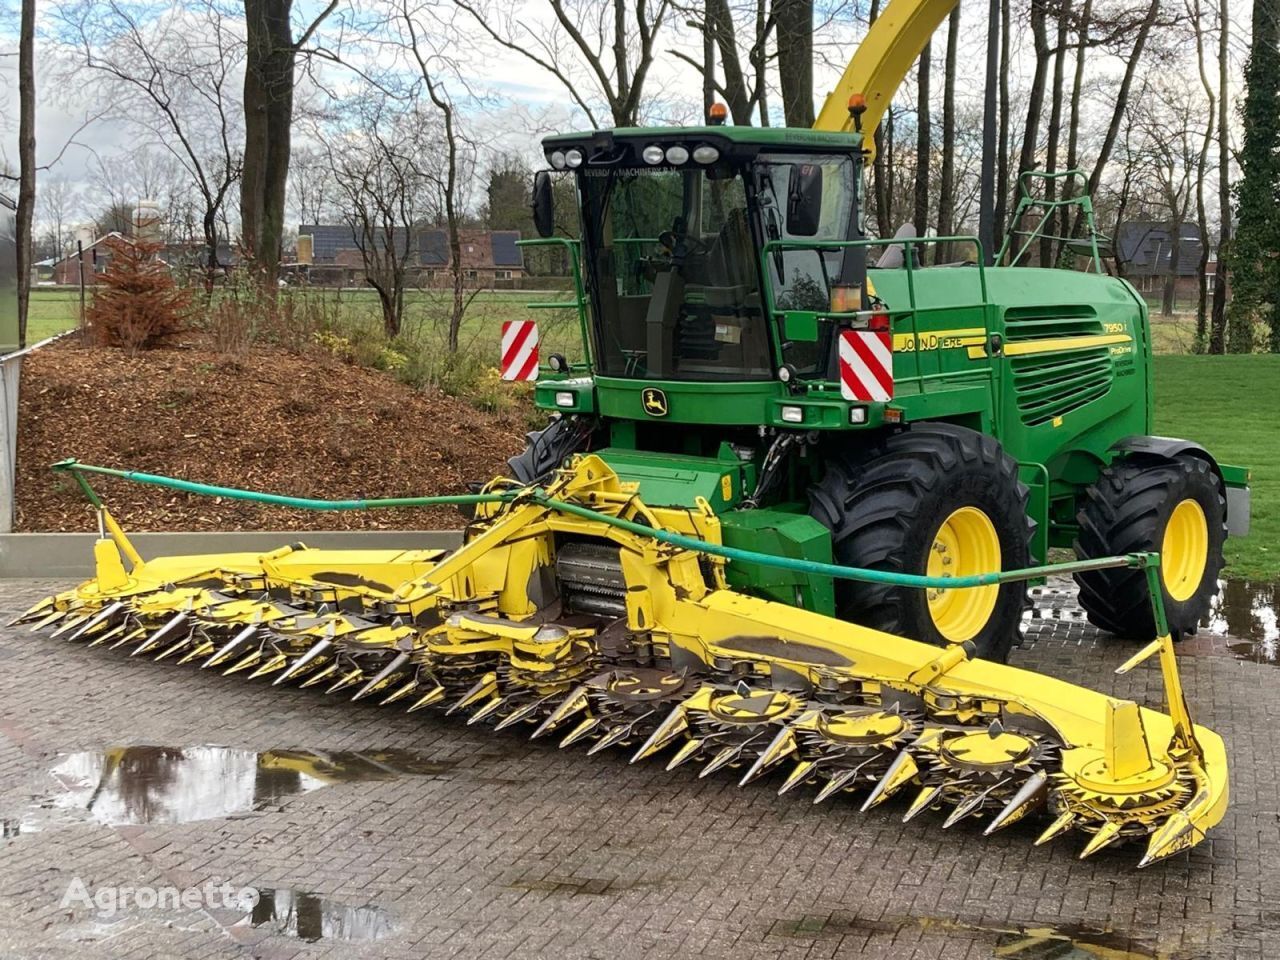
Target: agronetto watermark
point(110, 900)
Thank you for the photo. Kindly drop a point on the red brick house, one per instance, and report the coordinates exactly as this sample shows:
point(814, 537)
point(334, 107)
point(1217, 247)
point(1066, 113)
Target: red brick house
point(489, 257)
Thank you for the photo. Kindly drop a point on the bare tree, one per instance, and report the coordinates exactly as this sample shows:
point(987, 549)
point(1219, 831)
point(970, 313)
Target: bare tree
point(1202, 165)
point(742, 80)
point(1171, 160)
point(1218, 321)
point(432, 67)
point(598, 50)
point(172, 73)
point(920, 197)
point(59, 201)
point(377, 148)
point(947, 180)
point(310, 185)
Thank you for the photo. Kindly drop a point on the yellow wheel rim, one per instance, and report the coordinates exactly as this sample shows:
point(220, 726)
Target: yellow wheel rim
point(1185, 550)
point(965, 544)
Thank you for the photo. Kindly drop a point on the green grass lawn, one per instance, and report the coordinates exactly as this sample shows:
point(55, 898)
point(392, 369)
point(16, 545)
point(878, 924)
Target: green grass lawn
point(1231, 405)
point(51, 311)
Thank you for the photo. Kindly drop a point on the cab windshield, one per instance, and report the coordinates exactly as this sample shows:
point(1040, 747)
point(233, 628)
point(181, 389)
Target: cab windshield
point(673, 270)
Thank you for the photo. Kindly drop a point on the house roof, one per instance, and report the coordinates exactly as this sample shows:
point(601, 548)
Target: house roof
point(1146, 248)
point(505, 251)
point(433, 248)
point(328, 239)
point(482, 249)
point(74, 254)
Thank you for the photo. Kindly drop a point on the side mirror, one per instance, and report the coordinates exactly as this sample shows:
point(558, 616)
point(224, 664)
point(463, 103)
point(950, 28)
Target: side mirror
point(544, 205)
point(804, 199)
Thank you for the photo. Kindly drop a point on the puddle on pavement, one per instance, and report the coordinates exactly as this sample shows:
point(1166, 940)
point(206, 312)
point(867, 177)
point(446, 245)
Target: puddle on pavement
point(1249, 613)
point(305, 916)
point(151, 784)
point(1022, 943)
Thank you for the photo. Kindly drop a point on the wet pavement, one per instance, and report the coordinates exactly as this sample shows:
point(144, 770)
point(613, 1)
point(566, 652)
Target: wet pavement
point(231, 819)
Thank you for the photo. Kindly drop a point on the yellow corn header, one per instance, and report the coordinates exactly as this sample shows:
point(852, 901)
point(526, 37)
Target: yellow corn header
point(576, 611)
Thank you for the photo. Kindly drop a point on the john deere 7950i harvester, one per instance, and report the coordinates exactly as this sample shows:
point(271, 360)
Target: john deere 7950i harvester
point(784, 518)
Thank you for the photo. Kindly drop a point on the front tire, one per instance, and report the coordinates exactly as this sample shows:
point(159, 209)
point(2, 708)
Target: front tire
point(935, 499)
point(1141, 505)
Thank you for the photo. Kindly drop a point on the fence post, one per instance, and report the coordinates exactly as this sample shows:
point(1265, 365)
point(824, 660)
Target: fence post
point(10, 375)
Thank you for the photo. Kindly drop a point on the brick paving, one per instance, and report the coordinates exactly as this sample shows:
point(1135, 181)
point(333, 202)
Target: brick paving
point(517, 849)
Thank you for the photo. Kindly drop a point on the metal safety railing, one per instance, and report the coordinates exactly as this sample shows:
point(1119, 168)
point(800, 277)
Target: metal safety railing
point(896, 313)
point(578, 304)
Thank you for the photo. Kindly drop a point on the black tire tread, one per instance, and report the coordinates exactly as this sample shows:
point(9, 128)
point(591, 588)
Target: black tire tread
point(872, 500)
point(1122, 513)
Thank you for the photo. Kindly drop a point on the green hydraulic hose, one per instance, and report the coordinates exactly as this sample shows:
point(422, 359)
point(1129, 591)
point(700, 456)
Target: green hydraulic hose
point(302, 503)
point(812, 567)
point(834, 569)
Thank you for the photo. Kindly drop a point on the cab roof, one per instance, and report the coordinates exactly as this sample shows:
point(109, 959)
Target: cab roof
point(726, 136)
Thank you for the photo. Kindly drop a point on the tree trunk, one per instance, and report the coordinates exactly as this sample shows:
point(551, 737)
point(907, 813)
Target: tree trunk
point(210, 223)
point(1073, 124)
point(1000, 207)
point(1169, 295)
point(920, 213)
point(1218, 320)
point(1035, 96)
point(879, 173)
point(270, 59)
point(1202, 162)
point(26, 159)
point(947, 184)
point(709, 68)
point(1055, 122)
point(794, 19)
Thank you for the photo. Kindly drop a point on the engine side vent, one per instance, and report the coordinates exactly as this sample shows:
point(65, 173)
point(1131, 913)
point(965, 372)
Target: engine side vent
point(1044, 322)
point(1050, 385)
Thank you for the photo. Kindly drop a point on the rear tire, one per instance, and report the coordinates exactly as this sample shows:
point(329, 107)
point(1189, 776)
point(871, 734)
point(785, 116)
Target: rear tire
point(1145, 504)
point(891, 506)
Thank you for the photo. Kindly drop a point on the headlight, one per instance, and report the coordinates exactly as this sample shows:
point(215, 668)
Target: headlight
point(857, 414)
point(793, 414)
point(557, 159)
point(565, 398)
point(706, 153)
point(652, 153)
point(677, 154)
point(573, 158)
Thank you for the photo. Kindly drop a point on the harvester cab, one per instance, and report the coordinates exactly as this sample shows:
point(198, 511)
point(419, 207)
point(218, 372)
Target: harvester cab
point(784, 514)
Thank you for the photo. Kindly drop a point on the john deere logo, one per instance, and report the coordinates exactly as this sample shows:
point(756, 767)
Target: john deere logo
point(655, 402)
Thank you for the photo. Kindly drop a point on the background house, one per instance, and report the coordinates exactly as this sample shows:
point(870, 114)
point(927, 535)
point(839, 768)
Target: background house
point(1144, 249)
point(329, 254)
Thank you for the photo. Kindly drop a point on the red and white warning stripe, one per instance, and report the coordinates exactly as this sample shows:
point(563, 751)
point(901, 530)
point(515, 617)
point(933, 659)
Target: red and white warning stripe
point(866, 365)
point(519, 350)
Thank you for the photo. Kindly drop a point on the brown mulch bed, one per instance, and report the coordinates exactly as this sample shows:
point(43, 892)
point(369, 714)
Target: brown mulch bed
point(303, 425)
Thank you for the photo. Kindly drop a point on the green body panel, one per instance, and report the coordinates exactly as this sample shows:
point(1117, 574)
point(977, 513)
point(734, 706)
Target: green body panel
point(678, 480)
point(780, 533)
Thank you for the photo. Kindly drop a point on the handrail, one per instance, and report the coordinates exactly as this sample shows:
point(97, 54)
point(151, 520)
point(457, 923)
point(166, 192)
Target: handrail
point(1027, 201)
point(579, 302)
point(908, 265)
